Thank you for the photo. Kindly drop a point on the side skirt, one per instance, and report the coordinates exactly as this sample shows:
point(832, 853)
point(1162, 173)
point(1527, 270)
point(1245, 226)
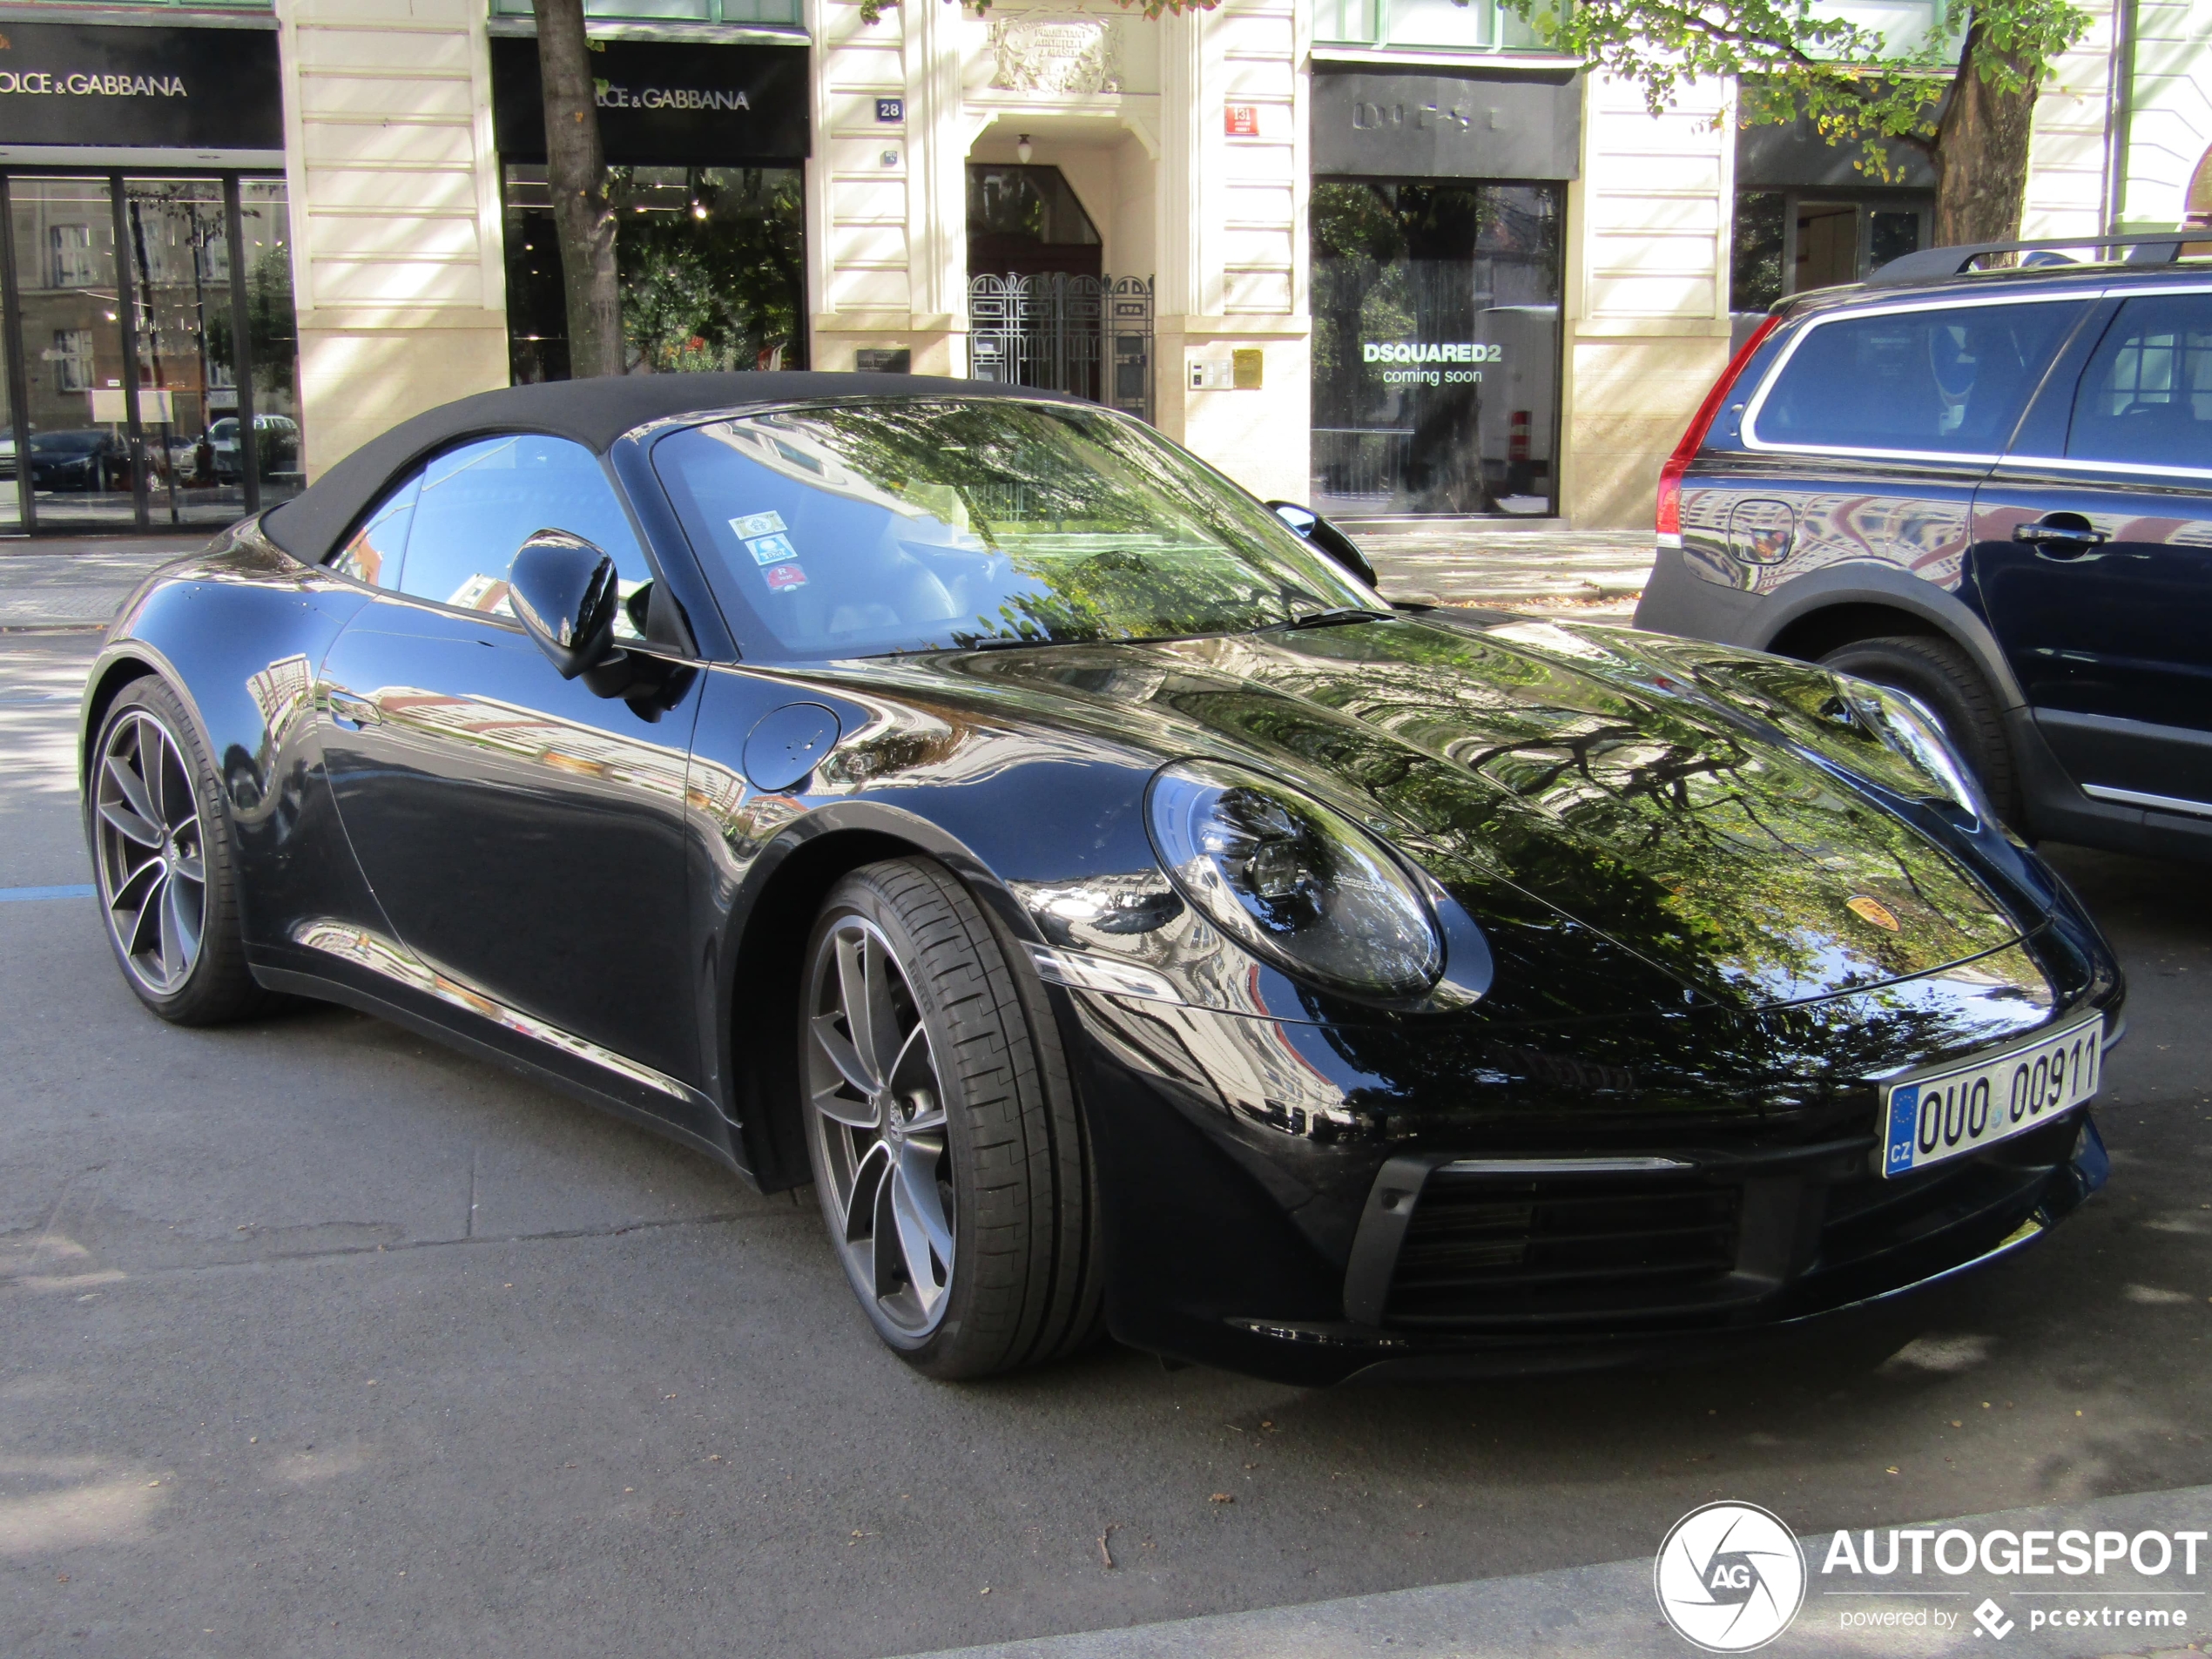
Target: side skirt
point(441, 1026)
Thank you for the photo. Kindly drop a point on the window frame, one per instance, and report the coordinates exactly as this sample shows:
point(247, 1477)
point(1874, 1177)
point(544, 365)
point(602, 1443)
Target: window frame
point(2086, 463)
point(412, 473)
point(2040, 457)
point(2080, 300)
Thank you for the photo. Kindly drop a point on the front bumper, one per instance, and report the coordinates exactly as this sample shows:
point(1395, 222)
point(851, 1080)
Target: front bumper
point(1255, 1228)
point(1496, 1270)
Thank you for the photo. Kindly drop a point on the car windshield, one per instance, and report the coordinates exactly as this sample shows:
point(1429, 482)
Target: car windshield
point(68, 442)
point(875, 526)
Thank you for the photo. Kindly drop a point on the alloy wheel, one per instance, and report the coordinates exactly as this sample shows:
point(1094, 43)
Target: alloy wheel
point(151, 851)
point(876, 1112)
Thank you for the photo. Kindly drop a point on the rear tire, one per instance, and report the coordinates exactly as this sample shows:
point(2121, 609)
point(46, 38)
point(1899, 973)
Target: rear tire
point(948, 1153)
point(165, 862)
point(1938, 675)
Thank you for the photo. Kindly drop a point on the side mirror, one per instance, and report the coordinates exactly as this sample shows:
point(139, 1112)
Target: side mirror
point(1325, 538)
point(565, 593)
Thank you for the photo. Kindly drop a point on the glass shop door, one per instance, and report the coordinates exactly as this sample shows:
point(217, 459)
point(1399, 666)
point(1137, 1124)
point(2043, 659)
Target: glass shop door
point(149, 374)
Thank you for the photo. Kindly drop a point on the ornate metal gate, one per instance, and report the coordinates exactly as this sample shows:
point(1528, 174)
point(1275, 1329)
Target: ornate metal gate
point(1088, 335)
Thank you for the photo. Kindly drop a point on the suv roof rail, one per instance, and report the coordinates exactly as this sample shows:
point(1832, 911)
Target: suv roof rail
point(2146, 248)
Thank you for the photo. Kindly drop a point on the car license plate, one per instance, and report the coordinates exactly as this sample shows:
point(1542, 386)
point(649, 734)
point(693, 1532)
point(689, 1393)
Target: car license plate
point(1947, 1113)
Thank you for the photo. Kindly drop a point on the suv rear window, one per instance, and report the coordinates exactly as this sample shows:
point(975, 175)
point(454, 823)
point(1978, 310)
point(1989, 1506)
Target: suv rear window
point(2146, 398)
point(1951, 380)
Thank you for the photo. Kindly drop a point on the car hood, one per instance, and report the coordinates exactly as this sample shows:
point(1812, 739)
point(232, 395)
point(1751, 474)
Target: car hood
point(1558, 781)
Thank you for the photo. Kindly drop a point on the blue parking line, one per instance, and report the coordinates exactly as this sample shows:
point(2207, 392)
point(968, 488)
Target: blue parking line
point(10, 894)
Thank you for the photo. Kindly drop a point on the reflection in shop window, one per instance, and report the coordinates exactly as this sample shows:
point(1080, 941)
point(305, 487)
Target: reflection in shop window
point(71, 248)
point(713, 262)
point(1756, 274)
point(72, 360)
point(1436, 347)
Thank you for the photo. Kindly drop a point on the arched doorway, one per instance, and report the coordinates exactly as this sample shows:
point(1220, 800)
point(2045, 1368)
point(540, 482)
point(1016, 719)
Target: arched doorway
point(1042, 310)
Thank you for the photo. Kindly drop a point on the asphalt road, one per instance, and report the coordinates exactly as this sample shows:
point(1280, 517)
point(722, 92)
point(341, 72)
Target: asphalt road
point(315, 1338)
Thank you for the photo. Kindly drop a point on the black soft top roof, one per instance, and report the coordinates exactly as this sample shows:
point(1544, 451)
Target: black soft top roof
point(594, 413)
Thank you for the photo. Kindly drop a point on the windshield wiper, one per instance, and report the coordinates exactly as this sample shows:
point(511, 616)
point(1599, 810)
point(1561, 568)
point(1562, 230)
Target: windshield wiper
point(1331, 618)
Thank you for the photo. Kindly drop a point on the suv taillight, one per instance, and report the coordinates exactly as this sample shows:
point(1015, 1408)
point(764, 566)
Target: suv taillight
point(1670, 513)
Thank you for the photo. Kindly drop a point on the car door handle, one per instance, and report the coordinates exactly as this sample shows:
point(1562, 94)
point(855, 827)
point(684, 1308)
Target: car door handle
point(355, 711)
point(2061, 536)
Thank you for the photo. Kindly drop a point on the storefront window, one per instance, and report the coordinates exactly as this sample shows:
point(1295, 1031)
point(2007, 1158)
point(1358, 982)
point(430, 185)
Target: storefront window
point(712, 263)
point(1788, 241)
point(1436, 347)
point(1470, 25)
point(755, 12)
point(153, 335)
point(273, 347)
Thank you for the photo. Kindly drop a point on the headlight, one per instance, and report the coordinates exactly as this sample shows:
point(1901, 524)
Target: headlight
point(1912, 734)
point(1297, 884)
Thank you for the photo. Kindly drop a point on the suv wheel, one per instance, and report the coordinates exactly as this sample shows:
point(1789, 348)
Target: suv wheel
point(1938, 674)
point(947, 1151)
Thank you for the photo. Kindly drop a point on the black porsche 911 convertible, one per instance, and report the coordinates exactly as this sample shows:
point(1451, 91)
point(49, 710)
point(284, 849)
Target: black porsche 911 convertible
point(965, 800)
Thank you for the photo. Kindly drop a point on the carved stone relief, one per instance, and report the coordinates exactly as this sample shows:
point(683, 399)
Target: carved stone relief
point(1077, 55)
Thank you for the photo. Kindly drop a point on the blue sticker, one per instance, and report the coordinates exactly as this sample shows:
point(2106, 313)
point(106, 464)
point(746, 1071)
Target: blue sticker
point(1905, 1119)
point(754, 525)
point(772, 550)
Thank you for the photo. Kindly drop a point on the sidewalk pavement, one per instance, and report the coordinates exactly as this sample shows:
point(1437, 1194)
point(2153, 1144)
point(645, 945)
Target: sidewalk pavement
point(1612, 1609)
point(71, 585)
point(68, 584)
point(1595, 573)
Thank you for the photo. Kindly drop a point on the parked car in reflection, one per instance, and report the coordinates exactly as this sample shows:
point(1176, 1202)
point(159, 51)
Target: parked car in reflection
point(276, 439)
point(964, 802)
point(90, 458)
point(1991, 490)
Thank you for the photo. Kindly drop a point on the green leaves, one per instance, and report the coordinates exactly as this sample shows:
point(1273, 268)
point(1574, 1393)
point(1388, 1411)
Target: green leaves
point(1851, 81)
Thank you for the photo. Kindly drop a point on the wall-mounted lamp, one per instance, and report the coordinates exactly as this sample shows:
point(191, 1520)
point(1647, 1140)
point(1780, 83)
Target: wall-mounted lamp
point(1024, 150)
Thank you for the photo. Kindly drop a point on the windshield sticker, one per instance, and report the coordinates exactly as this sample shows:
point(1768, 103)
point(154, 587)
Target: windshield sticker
point(772, 550)
point(754, 525)
point(785, 575)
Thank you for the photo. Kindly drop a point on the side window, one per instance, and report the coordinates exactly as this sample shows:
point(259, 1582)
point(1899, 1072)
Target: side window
point(479, 504)
point(2146, 398)
point(374, 554)
point(1952, 380)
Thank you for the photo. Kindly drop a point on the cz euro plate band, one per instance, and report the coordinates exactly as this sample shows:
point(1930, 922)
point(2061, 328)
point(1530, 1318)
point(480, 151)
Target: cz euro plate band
point(1961, 1109)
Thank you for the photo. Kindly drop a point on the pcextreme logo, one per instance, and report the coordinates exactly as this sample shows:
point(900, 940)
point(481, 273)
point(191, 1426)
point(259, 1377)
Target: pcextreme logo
point(1730, 1577)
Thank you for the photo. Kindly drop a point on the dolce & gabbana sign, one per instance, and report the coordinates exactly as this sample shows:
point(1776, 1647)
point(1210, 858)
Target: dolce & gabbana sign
point(665, 103)
point(78, 86)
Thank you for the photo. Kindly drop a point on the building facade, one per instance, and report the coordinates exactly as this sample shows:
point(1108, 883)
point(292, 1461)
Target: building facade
point(1385, 256)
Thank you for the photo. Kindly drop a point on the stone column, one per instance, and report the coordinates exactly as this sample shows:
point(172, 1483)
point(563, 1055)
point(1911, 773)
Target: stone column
point(1647, 291)
point(397, 261)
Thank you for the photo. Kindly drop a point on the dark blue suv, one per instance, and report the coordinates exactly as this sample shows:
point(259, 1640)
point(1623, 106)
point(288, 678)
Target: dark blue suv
point(1992, 490)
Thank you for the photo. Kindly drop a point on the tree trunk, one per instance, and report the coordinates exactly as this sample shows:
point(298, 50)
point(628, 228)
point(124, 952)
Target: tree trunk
point(1981, 148)
point(576, 175)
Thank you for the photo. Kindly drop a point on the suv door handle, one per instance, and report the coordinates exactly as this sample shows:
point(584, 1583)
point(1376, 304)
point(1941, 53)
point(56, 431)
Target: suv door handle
point(2061, 536)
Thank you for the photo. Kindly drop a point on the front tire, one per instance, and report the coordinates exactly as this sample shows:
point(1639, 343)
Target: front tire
point(165, 863)
point(1938, 674)
point(948, 1155)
